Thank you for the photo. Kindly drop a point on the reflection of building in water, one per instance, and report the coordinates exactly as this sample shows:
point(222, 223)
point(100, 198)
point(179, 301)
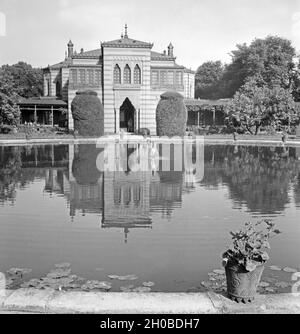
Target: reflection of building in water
point(166, 191)
point(126, 200)
point(126, 197)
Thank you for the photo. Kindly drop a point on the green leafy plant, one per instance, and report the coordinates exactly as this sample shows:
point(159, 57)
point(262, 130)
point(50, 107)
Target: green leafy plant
point(171, 115)
point(250, 245)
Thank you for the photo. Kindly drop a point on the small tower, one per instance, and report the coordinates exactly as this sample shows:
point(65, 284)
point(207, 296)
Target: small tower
point(170, 50)
point(126, 35)
point(70, 49)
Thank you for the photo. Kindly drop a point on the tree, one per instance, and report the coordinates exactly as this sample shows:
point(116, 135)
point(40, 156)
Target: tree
point(255, 105)
point(25, 80)
point(271, 58)
point(17, 81)
point(207, 79)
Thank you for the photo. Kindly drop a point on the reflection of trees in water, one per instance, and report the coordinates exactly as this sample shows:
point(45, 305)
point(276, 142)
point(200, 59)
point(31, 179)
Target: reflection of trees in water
point(297, 190)
point(10, 172)
point(258, 176)
point(20, 165)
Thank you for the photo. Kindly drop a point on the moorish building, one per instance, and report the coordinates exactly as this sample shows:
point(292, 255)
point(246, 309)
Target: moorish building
point(127, 75)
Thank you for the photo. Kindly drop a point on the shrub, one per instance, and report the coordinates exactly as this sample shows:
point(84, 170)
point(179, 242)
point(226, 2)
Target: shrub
point(88, 114)
point(171, 115)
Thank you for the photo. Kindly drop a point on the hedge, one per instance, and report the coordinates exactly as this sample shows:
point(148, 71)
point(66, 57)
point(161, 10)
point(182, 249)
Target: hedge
point(88, 114)
point(171, 115)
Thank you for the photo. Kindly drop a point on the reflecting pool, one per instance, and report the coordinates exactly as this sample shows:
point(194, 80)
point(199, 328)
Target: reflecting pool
point(142, 209)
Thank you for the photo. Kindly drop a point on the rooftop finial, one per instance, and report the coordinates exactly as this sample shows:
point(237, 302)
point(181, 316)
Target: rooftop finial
point(126, 35)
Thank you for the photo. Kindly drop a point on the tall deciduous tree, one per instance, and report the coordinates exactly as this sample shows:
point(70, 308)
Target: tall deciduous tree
point(17, 81)
point(254, 106)
point(207, 79)
point(271, 58)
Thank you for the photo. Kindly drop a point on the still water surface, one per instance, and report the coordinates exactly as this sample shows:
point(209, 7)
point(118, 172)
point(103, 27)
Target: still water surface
point(169, 227)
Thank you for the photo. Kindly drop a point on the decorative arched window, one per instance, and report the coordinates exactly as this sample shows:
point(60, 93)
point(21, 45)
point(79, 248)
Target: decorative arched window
point(137, 75)
point(127, 75)
point(57, 88)
point(117, 74)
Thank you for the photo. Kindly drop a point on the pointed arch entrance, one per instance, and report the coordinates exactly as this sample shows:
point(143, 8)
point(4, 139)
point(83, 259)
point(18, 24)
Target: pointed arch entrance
point(127, 116)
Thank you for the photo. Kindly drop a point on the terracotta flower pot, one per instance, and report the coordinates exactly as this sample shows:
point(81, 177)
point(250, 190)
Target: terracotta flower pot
point(242, 284)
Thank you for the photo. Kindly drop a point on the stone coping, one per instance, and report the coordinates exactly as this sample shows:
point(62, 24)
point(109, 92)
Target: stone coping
point(138, 139)
point(32, 300)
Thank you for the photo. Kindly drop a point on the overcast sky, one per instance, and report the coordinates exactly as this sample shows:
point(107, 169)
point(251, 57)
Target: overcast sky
point(37, 31)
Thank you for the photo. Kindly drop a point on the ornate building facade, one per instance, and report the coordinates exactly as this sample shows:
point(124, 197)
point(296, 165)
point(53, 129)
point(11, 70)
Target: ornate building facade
point(128, 77)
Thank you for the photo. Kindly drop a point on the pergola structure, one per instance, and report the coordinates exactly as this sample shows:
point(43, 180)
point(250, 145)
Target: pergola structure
point(42, 111)
point(206, 112)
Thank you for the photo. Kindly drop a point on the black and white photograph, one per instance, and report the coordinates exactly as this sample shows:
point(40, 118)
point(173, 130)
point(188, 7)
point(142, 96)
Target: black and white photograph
point(149, 160)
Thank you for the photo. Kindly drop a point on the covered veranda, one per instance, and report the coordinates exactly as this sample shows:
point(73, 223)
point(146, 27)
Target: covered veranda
point(43, 111)
point(203, 113)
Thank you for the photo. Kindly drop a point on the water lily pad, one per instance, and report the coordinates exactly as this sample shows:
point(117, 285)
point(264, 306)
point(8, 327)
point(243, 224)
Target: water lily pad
point(18, 271)
point(282, 285)
point(123, 278)
point(127, 288)
point(219, 271)
point(59, 272)
point(290, 270)
point(276, 268)
point(148, 284)
point(63, 265)
point(142, 289)
point(264, 284)
point(91, 285)
point(9, 282)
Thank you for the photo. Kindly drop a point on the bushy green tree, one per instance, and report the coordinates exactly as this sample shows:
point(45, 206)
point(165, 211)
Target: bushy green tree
point(171, 115)
point(271, 58)
point(255, 105)
point(207, 80)
point(17, 81)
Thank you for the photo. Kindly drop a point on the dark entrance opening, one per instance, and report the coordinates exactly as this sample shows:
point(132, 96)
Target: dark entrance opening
point(127, 114)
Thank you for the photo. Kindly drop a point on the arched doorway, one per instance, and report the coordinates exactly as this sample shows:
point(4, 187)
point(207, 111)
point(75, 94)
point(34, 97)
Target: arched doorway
point(127, 116)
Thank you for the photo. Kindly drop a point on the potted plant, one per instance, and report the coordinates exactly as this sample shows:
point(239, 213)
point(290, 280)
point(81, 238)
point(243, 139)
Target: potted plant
point(244, 261)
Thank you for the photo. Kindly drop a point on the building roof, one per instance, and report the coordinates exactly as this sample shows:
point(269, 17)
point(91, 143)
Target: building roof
point(188, 70)
point(209, 103)
point(161, 56)
point(88, 54)
point(127, 42)
point(43, 101)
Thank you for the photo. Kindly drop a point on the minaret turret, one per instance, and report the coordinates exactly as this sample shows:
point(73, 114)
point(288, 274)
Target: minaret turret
point(170, 50)
point(70, 49)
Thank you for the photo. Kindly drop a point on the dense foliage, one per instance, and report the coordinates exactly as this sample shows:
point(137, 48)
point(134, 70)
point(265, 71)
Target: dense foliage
point(17, 81)
point(207, 80)
point(271, 59)
point(88, 114)
point(255, 105)
point(171, 115)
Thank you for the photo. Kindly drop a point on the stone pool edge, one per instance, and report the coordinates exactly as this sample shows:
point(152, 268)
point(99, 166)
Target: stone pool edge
point(49, 301)
point(136, 138)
